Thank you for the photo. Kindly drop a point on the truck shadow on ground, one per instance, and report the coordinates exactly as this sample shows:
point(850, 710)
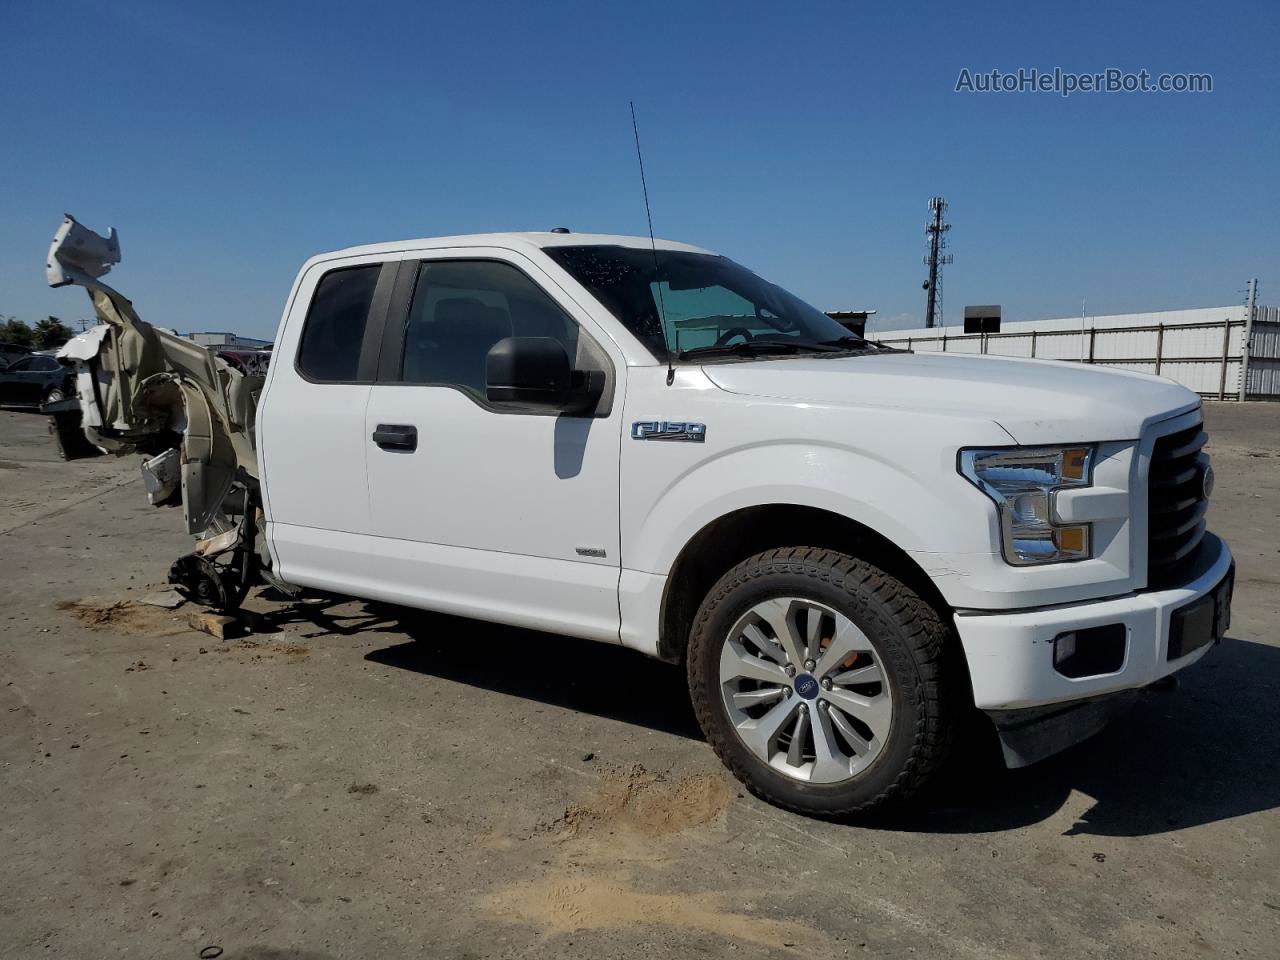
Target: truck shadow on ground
point(1205, 752)
point(582, 675)
point(327, 614)
point(1209, 751)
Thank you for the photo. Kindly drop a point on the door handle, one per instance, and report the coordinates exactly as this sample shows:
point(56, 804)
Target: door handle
point(396, 436)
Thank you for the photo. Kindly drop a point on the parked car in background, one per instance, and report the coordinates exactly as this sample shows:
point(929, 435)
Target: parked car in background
point(33, 380)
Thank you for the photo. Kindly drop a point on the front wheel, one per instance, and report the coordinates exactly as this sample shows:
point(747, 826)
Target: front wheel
point(822, 681)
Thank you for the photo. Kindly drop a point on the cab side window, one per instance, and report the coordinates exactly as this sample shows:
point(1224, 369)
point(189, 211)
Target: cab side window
point(461, 308)
point(334, 329)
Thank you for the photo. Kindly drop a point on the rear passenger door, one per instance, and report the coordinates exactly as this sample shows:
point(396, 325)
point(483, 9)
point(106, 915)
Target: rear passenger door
point(488, 512)
point(311, 437)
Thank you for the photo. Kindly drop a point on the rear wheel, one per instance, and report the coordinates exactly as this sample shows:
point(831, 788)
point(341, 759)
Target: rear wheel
point(821, 681)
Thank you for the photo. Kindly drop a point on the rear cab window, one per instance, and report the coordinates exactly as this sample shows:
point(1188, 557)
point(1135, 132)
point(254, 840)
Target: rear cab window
point(329, 351)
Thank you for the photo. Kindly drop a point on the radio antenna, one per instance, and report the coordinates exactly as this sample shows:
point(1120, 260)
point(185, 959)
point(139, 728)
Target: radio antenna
point(653, 247)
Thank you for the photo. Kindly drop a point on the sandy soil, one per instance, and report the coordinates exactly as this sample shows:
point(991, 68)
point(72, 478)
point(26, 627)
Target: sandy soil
point(355, 780)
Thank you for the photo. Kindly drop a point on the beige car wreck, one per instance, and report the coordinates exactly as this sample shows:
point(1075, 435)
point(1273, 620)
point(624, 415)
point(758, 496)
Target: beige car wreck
point(145, 390)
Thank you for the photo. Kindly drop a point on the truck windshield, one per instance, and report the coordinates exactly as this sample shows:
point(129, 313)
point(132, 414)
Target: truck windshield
point(700, 304)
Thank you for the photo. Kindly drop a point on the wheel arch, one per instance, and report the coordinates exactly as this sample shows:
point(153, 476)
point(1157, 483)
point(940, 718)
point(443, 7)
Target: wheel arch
point(732, 537)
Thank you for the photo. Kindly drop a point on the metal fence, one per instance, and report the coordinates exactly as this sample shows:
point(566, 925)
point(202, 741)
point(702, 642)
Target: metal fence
point(1208, 357)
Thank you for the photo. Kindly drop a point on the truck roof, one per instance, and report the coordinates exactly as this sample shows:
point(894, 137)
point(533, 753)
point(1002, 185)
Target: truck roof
point(516, 241)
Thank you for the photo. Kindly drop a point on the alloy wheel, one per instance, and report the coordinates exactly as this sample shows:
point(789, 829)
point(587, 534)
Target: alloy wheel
point(805, 690)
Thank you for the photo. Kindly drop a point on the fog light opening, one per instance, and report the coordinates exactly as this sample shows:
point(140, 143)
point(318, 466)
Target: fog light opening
point(1064, 647)
point(1091, 652)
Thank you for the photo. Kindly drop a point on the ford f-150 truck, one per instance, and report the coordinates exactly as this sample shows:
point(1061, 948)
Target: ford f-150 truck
point(848, 547)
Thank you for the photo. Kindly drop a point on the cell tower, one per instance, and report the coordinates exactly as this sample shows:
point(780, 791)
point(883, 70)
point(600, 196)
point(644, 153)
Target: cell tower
point(936, 231)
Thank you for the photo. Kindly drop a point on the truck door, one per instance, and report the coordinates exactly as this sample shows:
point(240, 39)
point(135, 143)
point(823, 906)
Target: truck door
point(480, 510)
point(311, 437)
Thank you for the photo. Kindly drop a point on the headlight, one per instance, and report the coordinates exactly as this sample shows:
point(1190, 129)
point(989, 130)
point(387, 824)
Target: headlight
point(1023, 481)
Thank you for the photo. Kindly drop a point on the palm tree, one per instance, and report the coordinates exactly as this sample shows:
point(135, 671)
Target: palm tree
point(51, 332)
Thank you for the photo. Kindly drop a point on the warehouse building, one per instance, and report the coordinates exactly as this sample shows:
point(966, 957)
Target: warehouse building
point(1205, 349)
point(230, 341)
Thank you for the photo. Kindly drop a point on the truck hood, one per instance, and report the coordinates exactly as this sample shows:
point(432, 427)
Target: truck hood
point(1035, 401)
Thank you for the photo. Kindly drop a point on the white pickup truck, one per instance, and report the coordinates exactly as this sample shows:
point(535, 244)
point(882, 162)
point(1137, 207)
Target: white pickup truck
point(848, 547)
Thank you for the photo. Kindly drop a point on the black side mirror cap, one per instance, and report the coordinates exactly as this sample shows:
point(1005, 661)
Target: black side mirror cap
point(529, 371)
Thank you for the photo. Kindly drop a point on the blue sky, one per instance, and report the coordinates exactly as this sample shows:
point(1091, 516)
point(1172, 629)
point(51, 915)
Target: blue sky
point(227, 142)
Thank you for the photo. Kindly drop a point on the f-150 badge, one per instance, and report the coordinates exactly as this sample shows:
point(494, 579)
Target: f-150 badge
point(669, 430)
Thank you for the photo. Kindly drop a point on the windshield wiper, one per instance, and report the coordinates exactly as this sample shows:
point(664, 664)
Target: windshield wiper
point(855, 344)
point(755, 348)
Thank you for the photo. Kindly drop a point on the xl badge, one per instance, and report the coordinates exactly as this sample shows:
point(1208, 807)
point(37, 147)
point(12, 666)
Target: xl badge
point(669, 430)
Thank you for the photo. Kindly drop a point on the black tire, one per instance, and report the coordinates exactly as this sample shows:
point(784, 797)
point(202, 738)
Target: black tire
point(912, 643)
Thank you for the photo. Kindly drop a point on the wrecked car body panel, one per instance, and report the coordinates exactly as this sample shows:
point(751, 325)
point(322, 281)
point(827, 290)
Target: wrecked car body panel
point(189, 413)
point(145, 390)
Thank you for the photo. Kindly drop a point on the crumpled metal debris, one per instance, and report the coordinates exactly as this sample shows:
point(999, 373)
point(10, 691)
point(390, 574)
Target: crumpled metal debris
point(146, 390)
point(168, 599)
point(162, 477)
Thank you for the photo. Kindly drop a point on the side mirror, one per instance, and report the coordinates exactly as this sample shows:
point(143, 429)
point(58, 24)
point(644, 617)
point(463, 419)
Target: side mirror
point(530, 371)
point(536, 372)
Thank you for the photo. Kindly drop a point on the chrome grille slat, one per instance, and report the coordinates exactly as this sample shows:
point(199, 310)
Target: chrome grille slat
point(1192, 446)
point(1176, 503)
point(1197, 515)
point(1186, 548)
point(1176, 506)
point(1177, 480)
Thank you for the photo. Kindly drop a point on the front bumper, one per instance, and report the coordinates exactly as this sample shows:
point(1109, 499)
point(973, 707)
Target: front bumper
point(1010, 655)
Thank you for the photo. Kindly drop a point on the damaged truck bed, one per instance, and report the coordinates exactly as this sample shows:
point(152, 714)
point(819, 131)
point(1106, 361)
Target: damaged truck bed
point(143, 390)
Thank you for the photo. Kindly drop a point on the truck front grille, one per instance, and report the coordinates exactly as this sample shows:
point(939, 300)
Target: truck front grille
point(1178, 504)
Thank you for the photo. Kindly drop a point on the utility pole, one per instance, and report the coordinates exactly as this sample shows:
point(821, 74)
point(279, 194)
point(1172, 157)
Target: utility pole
point(1084, 307)
point(1246, 335)
point(936, 231)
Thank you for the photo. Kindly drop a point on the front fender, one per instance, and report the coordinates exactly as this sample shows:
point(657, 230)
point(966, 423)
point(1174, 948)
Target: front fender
point(891, 499)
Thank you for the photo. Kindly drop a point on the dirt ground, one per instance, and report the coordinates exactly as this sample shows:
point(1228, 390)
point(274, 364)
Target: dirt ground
point(361, 781)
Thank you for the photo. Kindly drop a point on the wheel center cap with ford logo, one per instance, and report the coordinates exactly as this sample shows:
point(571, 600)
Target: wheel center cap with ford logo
point(806, 686)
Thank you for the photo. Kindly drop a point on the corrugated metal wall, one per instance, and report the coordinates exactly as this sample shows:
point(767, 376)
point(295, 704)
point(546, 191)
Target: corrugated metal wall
point(1201, 349)
point(1264, 353)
